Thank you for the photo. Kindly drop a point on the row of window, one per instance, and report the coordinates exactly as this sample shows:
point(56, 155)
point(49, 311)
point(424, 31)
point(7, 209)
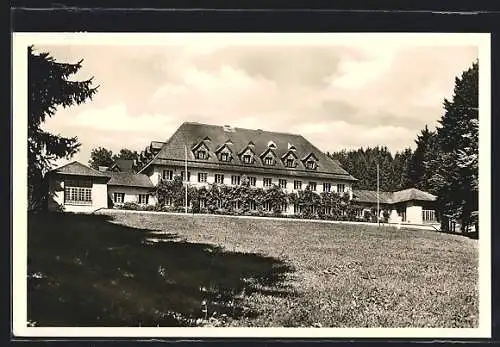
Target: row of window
point(249, 159)
point(119, 198)
point(267, 206)
point(428, 216)
point(267, 181)
point(77, 195)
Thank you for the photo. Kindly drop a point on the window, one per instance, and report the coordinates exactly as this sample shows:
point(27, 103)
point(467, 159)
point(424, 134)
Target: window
point(268, 160)
point(143, 199)
point(297, 209)
point(328, 210)
point(203, 203)
point(236, 205)
point(168, 201)
point(252, 181)
point(268, 182)
point(267, 206)
point(428, 216)
point(78, 192)
point(289, 162)
point(282, 183)
point(297, 185)
point(219, 178)
point(235, 180)
point(202, 176)
point(312, 186)
point(340, 188)
point(218, 203)
point(251, 205)
point(118, 198)
point(283, 207)
point(201, 154)
point(188, 176)
point(168, 174)
point(247, 158)
point(311, 164)
point(327, 187)
point(224, 157)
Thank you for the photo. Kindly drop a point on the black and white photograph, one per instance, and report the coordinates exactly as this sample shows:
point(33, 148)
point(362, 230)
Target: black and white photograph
point(214, 182)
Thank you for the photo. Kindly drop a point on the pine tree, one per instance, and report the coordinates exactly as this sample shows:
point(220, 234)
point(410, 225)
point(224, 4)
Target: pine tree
point(49, 86)
point(416, 168)
point(401, 169)
point(455, 166)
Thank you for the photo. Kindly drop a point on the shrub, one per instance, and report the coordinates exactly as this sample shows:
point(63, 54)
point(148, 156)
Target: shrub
point(129, 206)
point(236, 200)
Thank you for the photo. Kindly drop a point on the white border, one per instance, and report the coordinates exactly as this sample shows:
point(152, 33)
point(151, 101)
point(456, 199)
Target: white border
point(19, 235)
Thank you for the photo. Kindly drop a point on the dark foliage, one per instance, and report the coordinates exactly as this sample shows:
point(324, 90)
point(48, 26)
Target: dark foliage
point(49, 87)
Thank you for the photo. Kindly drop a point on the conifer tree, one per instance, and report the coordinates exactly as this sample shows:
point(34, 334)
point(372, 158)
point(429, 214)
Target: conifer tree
point(49, 87)
point(456, 166)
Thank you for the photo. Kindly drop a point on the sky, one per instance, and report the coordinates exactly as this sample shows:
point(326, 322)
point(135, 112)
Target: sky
point(338, 96)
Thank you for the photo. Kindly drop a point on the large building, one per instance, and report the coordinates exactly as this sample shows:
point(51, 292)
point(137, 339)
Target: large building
point(223, 155)
point(216, 154)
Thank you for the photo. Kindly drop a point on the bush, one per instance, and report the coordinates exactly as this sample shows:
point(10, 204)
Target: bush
point(129, 206)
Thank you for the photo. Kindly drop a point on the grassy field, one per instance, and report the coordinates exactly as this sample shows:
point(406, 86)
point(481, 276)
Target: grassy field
point(169, 270)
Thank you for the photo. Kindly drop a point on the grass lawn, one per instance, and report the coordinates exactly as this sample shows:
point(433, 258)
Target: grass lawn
point(132, 269)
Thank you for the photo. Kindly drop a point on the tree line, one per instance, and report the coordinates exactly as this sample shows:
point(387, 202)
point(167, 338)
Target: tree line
point(444, 162)
point(405, 169)
point(101, 156)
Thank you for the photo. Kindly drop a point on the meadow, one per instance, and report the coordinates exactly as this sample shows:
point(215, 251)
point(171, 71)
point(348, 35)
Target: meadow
point(152, 269)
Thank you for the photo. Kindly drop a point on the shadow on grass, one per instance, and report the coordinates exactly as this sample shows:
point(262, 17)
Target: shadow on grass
point(85, 270)
point(470, 235)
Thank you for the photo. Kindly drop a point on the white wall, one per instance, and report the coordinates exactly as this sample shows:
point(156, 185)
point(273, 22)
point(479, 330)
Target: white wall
point(157, 173)
point(99, 197)
point(414, 214)
point(131, 194)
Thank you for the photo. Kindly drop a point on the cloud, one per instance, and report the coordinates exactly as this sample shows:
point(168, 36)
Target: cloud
point(342, 96)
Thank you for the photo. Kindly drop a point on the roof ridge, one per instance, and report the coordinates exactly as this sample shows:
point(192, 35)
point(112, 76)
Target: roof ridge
point(236, 127)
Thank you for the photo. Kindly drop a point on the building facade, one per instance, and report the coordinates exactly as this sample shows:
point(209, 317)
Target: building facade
point(408, 206)
point(76, 187)
point(203, 154)
point(212, 154)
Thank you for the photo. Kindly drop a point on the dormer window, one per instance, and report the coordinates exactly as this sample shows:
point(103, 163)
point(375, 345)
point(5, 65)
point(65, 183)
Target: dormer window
point(268, 160)
point(290, 162)
point(224, 156)
point(201, 154)
point(311, 164)
point(247, 158)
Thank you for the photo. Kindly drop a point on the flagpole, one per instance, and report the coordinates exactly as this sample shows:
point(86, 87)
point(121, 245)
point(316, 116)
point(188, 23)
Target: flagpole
point(186, 178)
point(378, 197)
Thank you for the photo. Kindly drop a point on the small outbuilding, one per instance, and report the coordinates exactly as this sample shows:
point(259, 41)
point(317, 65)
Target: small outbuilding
point(411, 206)
point(76, 187)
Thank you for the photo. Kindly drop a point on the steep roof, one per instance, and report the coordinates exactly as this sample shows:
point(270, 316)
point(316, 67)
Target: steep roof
point(191, 134)
point(123, 165)
point(128, 179)
point(77, 169)
point(410, 194)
